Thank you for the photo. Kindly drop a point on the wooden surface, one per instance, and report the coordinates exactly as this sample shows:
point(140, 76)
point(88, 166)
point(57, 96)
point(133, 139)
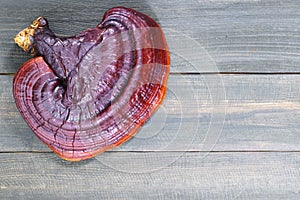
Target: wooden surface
point(228, 129)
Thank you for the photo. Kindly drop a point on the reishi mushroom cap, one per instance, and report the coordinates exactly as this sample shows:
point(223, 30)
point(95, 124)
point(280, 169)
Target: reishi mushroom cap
point(88, 93)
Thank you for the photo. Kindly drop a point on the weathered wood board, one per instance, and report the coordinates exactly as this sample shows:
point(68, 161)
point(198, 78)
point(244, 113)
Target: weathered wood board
point(239, 36)
point(243, 175)
point(257, 112)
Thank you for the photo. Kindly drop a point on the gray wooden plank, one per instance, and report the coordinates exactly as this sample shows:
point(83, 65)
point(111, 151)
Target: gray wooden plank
point(257, 112)
point(143, 176)
point(237, 36)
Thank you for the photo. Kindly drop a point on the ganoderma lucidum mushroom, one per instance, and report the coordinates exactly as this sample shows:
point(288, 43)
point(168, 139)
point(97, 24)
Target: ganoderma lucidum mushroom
point(86, 94)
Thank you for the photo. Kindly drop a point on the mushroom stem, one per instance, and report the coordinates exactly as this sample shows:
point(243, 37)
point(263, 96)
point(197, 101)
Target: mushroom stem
point(38, 39)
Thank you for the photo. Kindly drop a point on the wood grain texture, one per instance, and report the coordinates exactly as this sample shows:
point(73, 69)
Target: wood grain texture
point(229, 136)
point(192, 176)
point(239, 36)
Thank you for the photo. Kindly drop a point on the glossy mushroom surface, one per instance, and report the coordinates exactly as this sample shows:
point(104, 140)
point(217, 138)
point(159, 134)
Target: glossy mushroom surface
point(88, 93)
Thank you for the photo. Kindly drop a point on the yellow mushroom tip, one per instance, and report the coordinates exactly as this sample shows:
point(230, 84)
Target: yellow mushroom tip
point(24, 38)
